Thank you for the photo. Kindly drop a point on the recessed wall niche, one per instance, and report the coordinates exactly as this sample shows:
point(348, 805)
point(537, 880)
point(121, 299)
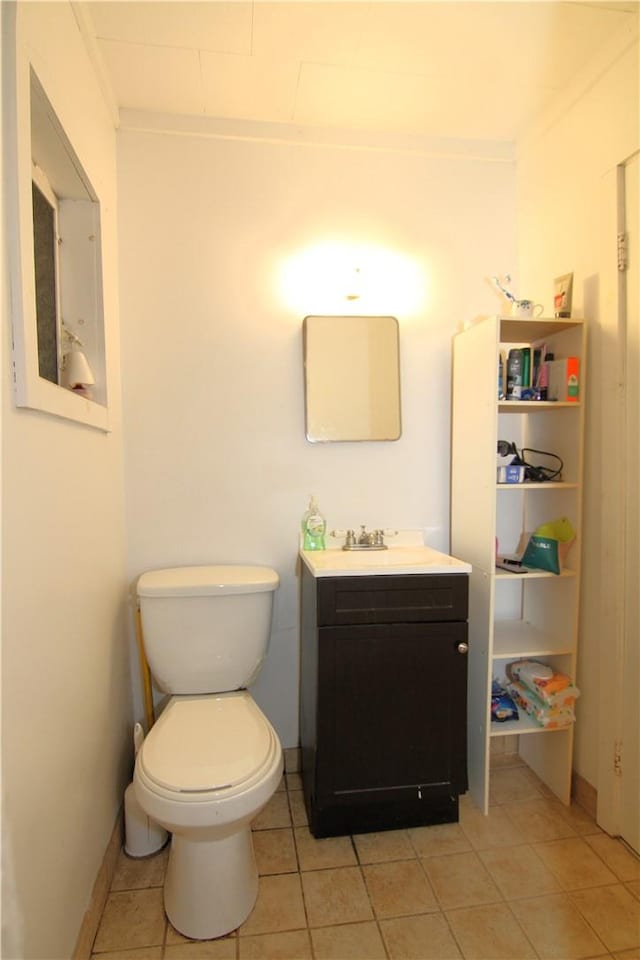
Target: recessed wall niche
point(56, 259)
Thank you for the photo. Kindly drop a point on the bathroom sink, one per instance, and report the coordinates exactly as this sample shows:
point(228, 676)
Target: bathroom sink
point(335, 562)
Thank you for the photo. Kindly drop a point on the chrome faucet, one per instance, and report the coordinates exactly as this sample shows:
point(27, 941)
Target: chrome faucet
point(365, 540)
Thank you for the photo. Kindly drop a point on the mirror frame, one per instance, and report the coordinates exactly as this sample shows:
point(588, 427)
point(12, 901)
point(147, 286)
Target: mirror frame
point(30, 389)
point(329, 369)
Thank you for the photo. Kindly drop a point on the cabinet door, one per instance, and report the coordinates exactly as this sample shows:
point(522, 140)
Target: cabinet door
point(391, 711)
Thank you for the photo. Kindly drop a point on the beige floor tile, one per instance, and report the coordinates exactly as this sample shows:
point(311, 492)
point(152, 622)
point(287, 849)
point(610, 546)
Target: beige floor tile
point(386, 845)
point(131, 919)
point(634, 888)
point(292, 945)
point(613, 913)
point(495, 830)
point(292, 759)
point(438, 840)
point(460, 880)
point(275, 851)
point(489, 933)
point(275, 815)
point(518, 872)
point(224, 949)
point(349, 941)
point(466, 801)
point(501, 760)
point(142, 953)
point(319, 854)
point(335, 896)
point(399, 889)
point(556, 928)
point(294, 781)
point(279, 906)
point(174, 937)
point(540, 785)
point(132, 874)
point(616, 856)
point(512, 783)
point(574, 864)
point(282, 785)
point(578, 818)
point(538, 820)
point(298, 809)
point(425, 937)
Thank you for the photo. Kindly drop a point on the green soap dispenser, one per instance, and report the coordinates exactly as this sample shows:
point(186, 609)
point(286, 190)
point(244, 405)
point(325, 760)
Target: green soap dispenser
point(314, 526)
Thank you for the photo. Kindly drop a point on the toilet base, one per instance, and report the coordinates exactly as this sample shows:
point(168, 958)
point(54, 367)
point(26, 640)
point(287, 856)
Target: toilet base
point(211, 886)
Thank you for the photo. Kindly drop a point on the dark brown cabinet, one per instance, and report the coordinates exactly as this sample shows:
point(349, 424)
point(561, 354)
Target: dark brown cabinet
point(383, 700)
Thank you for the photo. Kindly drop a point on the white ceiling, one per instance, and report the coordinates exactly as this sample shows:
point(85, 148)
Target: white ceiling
point(450, 68)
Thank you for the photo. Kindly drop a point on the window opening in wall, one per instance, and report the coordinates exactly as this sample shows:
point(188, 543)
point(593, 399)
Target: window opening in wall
point(45, 255)
point(58, 324)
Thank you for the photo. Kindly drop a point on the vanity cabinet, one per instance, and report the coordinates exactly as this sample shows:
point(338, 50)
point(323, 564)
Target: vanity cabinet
point(513, 616)
point(383, 700)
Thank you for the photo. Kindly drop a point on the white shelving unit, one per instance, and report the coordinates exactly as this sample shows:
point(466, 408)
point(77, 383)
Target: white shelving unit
point(514, 615)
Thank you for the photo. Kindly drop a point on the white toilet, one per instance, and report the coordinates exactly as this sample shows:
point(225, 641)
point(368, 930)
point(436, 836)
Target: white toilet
point(212, 760)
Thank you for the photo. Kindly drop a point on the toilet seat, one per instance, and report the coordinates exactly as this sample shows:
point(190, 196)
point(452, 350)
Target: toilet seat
point(207, 746)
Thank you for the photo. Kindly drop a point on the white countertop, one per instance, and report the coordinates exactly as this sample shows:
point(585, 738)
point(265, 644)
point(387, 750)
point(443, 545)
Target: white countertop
point(400, 558)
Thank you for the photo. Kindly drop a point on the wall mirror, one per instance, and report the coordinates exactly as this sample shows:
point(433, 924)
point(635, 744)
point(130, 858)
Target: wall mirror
point(352, 378)
point(56, 263)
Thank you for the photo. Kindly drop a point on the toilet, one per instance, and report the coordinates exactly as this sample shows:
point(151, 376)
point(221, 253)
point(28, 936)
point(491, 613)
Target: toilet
point(212, 760)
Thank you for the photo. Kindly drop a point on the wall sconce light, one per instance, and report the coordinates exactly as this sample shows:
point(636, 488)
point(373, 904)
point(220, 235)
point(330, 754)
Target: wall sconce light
point(331, 278)
point(354, 289)
point(77, 374)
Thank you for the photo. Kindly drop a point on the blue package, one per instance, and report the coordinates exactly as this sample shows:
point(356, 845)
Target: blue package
point(502, 706)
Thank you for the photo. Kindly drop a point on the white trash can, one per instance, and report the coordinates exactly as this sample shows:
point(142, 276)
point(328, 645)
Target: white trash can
point(142, 835)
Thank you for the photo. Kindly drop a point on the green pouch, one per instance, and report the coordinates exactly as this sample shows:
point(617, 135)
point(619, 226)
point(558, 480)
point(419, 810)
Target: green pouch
point(542, 554)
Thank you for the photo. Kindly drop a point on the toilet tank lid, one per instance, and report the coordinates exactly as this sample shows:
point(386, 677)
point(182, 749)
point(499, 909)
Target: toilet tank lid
point(207, 581)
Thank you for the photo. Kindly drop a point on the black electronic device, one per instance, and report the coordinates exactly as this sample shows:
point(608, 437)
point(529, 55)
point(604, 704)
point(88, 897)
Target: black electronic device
point(534, 473)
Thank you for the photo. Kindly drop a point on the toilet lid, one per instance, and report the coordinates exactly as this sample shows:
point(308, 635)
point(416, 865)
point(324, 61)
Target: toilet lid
point(206, 743)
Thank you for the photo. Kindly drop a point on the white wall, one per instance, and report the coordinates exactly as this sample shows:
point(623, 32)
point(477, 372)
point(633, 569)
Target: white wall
point(217, 466)
point(567, 222)
point(66, 698)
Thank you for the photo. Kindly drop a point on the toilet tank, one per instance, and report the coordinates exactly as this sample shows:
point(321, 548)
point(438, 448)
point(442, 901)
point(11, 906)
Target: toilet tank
point(206, 629)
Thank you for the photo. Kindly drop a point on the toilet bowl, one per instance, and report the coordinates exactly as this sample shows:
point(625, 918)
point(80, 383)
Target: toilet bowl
point(212, 760)
point(204, 772)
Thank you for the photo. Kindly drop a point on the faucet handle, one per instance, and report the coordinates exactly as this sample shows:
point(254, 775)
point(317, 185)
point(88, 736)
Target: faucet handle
point(350, 538)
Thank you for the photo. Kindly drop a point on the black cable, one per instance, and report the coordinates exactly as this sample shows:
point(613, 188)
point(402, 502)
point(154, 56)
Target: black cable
point(540, 474)
point(535, 474)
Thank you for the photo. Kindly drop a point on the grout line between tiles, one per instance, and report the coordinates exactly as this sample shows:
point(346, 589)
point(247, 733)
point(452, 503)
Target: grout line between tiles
point(441, 911)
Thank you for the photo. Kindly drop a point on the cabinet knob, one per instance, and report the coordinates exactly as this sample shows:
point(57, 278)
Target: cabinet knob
point(463, 648)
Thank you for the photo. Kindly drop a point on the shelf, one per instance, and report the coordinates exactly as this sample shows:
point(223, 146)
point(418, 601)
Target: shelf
point(533, 406)
point(501, 574)
point(519, 330)
point(518, 638)
point(540, 609)
point(524, 724)
point(546, 485)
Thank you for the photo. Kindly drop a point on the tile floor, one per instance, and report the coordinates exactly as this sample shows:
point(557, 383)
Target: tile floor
point(532, 880)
